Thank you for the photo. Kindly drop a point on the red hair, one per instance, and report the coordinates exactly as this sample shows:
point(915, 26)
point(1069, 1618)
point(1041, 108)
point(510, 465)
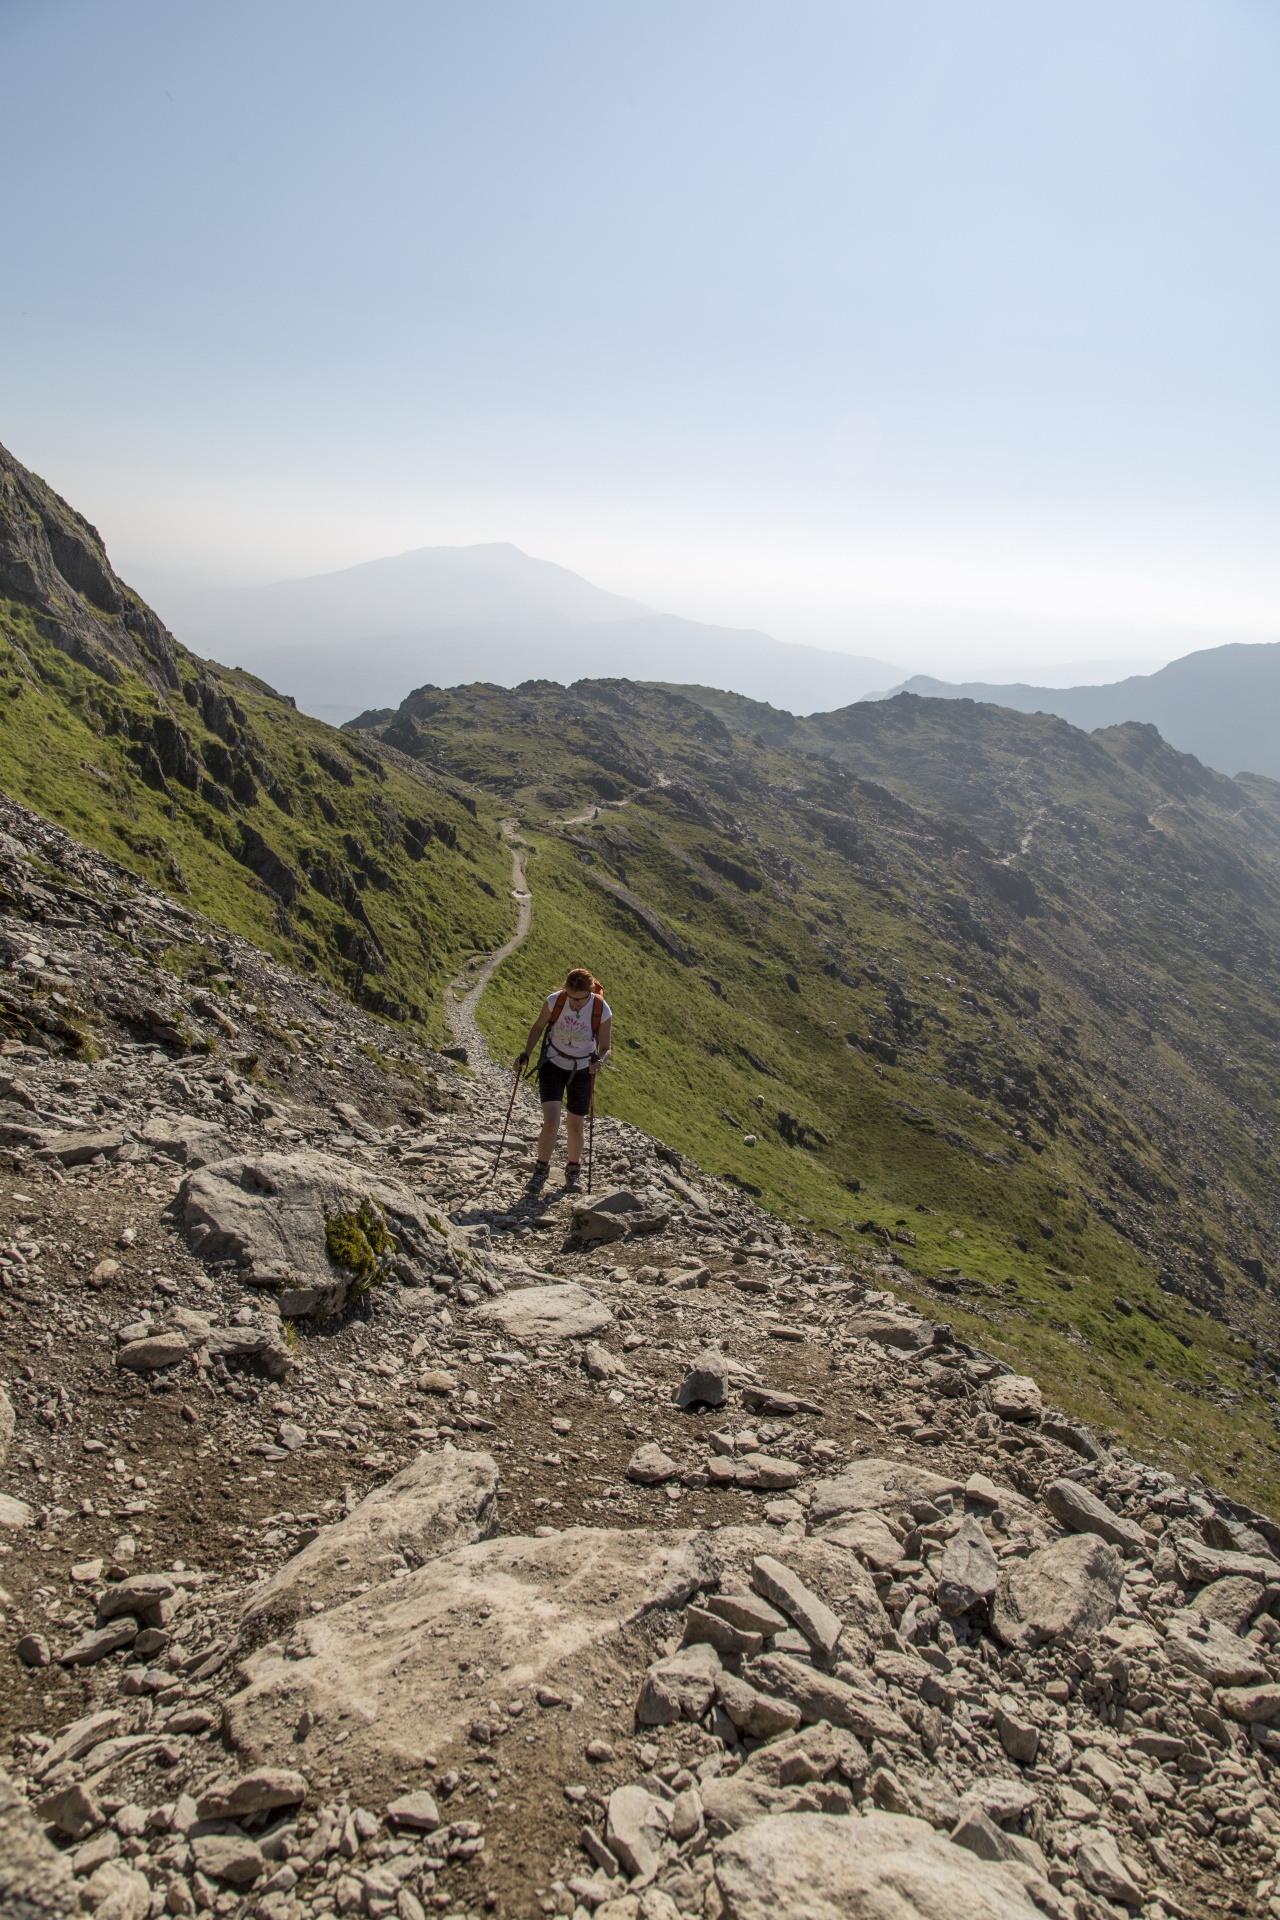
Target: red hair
point(581, 980)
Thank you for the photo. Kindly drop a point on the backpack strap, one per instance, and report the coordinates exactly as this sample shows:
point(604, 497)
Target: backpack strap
point(597, 1015)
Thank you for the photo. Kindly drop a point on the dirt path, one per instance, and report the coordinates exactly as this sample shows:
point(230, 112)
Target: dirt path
point(463, 996)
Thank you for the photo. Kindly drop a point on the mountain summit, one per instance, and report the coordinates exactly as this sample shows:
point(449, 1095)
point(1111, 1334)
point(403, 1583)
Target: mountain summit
point(341, 642)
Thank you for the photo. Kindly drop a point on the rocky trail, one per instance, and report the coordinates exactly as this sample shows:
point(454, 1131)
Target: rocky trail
point(464, 996)
point(378, 1540)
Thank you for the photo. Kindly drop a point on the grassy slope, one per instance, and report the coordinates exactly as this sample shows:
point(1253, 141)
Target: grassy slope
point(428, 913)
point(914, 1135)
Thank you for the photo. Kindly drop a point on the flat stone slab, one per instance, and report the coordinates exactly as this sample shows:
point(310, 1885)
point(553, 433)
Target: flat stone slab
point(193, 1143)
point(374, 1672)
point(537, 1314)
point(75, 1149)
point(907, 1332)
point(35, 1879)
point(870, 1485)
point(1199, 1644)
point(882, 1866)
point(442, 1500)
point(14, 1513)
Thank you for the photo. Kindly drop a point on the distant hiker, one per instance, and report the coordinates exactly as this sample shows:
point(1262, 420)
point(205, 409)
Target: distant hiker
point(574, 1026)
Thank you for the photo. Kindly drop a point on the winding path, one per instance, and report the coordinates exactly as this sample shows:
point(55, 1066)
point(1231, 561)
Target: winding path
point(463, 995)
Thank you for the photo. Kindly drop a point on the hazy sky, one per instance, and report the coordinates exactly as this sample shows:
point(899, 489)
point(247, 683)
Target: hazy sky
point(760, 312)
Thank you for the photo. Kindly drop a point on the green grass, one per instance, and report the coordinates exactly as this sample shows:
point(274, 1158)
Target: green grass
point(1068, 1020)
point(677, 1066)
point(1044, 1073)
point(65, 749)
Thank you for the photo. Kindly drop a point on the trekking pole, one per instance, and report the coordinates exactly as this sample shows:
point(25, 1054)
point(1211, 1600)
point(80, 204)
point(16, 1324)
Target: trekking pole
point(591, 1132)
point(506, 1123)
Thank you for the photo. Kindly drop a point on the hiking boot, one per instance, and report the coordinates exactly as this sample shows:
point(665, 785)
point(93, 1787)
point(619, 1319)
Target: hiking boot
point(541, 1168)
point(573, 1174)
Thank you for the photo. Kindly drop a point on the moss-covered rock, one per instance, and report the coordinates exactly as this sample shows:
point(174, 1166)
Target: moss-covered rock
point(358, 1241)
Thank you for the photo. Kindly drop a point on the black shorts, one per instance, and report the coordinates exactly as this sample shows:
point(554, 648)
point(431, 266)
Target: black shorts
point(572, 1086)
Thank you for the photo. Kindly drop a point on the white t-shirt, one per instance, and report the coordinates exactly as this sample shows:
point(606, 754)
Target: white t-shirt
point(571, 1042)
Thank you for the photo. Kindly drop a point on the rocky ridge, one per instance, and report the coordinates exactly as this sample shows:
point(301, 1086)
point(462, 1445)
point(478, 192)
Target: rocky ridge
point(376, 1538)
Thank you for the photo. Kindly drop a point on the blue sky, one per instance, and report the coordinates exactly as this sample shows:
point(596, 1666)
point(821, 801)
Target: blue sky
point(848, 319)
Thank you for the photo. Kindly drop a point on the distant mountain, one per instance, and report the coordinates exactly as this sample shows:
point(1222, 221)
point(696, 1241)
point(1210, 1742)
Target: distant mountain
point(341, 643)
point(1222, 704)
point(409, 592)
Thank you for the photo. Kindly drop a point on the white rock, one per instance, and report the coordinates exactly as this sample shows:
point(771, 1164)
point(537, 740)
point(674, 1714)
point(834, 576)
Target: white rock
point(439, 1501)
point(117, 1892)
point(969, 1571)
point(882, 1867)
point(1098, 1862)
point(35, 1880)
point(1199, 1644)
point(681, 1687)
point(150, 1355)
point(547, 1603)
point(254, 1792)
point(541, 1314)
point(649, 1466)
point(816, 1621)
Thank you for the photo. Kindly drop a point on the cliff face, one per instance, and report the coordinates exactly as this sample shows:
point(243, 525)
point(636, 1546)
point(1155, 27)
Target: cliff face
point(53, 562)
point(210, 783)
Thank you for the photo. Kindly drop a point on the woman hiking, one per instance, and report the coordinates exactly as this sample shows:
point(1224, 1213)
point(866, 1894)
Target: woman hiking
point(576, 1022)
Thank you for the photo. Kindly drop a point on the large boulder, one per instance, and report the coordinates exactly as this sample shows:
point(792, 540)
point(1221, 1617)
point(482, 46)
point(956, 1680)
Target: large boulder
point(868, 1485)
point(1015, 1396)
point(276, 1215)
point(613, 1215)
point(1252, 1706)
point(538, 1314)
point(1066, 1591)
point(1199, 1564)
point(392, 1675)
point(35, 1880)
point(884, 1866)
point(439, 1501)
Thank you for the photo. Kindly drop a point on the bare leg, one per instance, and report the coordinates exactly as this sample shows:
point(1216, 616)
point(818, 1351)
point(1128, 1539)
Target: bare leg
point(551, 1127)
point(573, 1125)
